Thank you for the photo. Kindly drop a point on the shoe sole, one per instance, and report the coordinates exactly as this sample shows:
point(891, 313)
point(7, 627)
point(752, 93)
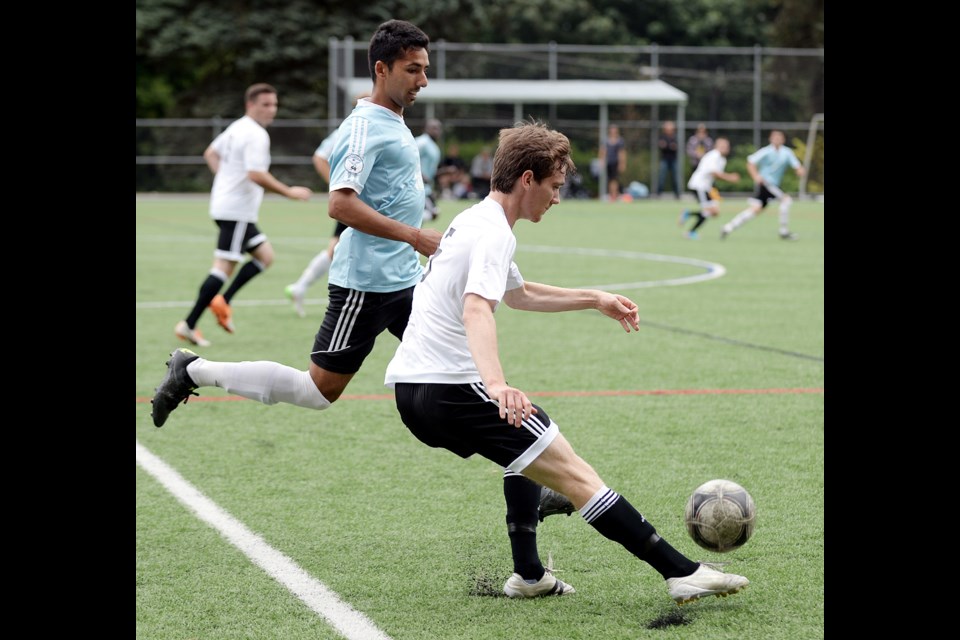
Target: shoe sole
point(721, 594)
point(157, 389)
point(519, 594)
point(192, 341)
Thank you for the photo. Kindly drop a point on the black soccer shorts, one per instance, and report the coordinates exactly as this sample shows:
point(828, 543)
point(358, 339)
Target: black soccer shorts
point(463, 419)
point(236, 237)
point(352, 323)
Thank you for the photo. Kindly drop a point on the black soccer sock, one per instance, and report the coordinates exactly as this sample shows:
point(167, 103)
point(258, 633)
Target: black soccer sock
point(700, 220)
point(616, 519)
point(251, 269)
point(523, 504)
point(208, 290)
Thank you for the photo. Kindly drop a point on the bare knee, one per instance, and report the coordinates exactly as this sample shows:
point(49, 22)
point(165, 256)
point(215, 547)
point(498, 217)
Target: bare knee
point(263, 254)
point(224, 266)
point(330, 384)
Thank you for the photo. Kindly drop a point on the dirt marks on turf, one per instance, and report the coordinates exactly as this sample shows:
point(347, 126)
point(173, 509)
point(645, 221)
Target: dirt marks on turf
point(672, 619)
point(488, 584)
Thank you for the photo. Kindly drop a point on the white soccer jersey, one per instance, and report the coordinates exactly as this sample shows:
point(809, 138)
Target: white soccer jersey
point(475, 256)
point(702, 179)
point(243, 146)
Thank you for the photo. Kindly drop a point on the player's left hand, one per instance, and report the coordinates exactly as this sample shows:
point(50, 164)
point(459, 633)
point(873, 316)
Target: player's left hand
point(622, 309)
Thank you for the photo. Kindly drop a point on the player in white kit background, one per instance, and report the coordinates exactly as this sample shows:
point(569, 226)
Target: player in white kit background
point(240, 160)
point(710, 168)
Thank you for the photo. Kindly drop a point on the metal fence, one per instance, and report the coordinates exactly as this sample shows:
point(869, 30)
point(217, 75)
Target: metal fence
point(738, 92)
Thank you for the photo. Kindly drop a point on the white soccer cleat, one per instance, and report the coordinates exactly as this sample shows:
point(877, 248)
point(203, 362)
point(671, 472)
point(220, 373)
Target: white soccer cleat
point(192, 336)
point(705, 581)
point(549, 585)
point(296, 297)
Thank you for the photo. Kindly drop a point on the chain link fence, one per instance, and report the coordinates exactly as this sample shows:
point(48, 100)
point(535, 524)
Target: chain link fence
point(738, 92)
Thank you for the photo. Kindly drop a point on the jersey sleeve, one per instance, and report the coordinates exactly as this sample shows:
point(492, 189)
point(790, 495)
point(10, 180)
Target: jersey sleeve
point(514, 279)
point(219, 144)
point(492, 271)
point(757, 156)
point(326, 147)
point(793, 159)
point(256, 153)
point(354, 155)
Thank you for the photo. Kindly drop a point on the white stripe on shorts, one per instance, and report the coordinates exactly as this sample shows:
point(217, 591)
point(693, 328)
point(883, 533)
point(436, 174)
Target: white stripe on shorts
point(346, 321)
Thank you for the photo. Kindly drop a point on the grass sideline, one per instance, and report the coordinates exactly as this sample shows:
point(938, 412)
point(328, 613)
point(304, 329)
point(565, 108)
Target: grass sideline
point(415, 537)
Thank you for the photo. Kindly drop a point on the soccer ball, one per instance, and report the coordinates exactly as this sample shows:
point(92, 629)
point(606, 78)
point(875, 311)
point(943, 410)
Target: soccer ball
point(720, 515)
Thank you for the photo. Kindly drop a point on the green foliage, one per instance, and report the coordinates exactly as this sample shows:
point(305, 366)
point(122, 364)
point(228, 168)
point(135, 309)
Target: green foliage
point(195, 58)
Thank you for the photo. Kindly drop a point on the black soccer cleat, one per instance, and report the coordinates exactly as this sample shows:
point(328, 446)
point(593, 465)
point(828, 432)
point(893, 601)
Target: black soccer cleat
point(176, 386)
point(552, 503)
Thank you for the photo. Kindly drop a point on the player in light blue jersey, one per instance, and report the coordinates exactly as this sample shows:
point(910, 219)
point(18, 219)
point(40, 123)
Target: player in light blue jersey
point(429, 163)
point(376, 189)
point(766, 167)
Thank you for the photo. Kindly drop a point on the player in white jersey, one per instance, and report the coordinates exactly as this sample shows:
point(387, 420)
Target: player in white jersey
point(766, 166)
point(320, 263)
point(429, 163)
point(711, 167)
point(449, 381)
point(240, 161)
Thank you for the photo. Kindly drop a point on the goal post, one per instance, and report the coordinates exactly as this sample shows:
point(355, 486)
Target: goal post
point(812, 161)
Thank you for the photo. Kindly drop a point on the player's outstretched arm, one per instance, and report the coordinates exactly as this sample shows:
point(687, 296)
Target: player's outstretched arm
point(266, 180)
point(535, 296)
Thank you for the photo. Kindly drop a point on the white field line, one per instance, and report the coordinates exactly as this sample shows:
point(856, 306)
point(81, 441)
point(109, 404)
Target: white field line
point(711, 271)
point(350, 623)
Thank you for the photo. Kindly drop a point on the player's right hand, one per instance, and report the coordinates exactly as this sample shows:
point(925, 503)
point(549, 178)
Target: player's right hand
point(514, 404)
point(428, 241)
point(300, 193)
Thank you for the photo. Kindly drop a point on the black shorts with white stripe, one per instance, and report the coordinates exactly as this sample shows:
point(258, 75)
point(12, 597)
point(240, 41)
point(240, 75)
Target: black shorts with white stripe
point(236, 237)
point(463, 419)
point(352, 323)
point(765, 195)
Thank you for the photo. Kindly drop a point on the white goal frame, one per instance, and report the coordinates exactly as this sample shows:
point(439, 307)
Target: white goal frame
point(816, 123)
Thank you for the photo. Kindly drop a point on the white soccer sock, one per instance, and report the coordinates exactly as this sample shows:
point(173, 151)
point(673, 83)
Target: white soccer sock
point(785, 215)
point(264, 381)
point(317, 267)
point(741, 218)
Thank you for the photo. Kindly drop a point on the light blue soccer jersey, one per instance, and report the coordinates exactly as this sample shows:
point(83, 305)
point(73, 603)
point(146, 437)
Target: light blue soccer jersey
point(326, 147)
point(377, 157)
point(429, 159)
point(771, 163)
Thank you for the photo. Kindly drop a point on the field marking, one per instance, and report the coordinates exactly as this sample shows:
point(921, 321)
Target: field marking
point(733, 341)
point(566, 394)
point(341, 616)
point(712, 271)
